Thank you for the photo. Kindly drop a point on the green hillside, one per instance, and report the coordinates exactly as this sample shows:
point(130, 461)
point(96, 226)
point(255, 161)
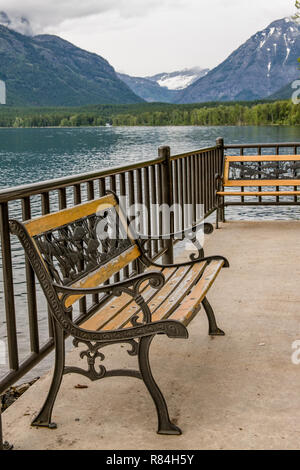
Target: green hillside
point(48, 71)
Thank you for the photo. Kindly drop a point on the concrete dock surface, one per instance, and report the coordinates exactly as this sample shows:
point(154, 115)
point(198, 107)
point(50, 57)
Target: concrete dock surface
point(241, 391)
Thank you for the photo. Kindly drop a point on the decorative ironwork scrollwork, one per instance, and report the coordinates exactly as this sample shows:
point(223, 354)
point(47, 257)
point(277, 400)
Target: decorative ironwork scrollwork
point(73, 250)
point(171, 328)
point(92, 353)
point(264, 170)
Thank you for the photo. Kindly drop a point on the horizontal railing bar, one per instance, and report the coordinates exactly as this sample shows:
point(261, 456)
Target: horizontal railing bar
point(19, 192)
point(262, 203)
point(267, 145)
point(194, 152)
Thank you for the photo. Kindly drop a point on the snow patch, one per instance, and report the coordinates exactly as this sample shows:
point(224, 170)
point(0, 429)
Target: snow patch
point(262, 43)
point(288, 50)
point(177, 83)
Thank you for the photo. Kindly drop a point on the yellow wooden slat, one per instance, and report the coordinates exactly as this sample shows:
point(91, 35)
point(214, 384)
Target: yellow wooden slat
point(172, 302)
point(120, 320)
point(226, 172)
point(117, 304)
point(258, 193)
point(258, 183)
point(104, 272)
point(192, 303)
point(263, 158)
point(167, 299)
point(66, 216)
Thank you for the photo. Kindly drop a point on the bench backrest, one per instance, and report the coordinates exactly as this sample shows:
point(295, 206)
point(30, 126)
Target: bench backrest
point(85, 245)
point(262, 170)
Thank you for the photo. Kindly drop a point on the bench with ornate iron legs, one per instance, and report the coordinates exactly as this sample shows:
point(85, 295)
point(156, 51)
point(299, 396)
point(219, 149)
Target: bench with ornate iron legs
point(259, 171)
point(74, 256)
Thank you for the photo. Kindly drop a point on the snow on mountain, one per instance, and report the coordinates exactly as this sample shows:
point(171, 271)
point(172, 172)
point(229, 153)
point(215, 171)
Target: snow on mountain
point(163, 87)
point(149, 90)
point(180, 79)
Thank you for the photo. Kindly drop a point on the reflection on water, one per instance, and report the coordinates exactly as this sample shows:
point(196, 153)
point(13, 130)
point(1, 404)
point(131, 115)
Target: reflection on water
point(30, 155)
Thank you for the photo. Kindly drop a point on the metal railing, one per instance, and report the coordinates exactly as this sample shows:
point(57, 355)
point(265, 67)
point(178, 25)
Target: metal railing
point(263, 149)
point(180, 179)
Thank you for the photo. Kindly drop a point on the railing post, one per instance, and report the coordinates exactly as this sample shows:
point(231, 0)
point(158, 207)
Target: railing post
point(220, 210)
point(220, 145)
point(167, 197)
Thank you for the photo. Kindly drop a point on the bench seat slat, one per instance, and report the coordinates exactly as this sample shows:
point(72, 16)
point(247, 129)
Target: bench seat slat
point(189, 284)
point(121, 320)
point(166, 300)
point(192, 303)
point(117, 304)
point(258, 193)
point(171, 303)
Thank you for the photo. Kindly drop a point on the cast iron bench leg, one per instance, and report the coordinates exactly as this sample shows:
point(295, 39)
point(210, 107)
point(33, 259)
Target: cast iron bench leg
point(214, 330)
point(43, 419)
point(165, 426)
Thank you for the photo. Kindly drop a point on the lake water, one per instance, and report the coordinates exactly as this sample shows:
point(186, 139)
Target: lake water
point(29, 155)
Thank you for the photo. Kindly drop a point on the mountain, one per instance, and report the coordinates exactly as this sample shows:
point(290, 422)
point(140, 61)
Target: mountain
point(46, 70)
point(260, 67)
point(163, 87)
point(148, 89)
point(180, 79)
point(285, 93)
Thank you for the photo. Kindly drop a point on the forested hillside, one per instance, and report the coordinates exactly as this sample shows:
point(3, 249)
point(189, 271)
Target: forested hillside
point(153, 114)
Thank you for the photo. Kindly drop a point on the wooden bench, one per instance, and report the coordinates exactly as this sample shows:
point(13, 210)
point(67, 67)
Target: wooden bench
point(255, 173)
point(73, 261)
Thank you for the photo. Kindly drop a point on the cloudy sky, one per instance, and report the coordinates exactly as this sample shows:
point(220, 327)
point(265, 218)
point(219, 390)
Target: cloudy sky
point(143, 37)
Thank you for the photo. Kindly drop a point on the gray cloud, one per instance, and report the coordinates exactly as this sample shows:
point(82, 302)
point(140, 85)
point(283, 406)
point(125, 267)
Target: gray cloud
point(17, 23)
point(42, 15)
point(144, 37)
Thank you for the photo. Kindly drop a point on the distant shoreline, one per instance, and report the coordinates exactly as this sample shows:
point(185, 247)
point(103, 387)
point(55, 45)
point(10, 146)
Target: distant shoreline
point(148, 126)
point(274, 113)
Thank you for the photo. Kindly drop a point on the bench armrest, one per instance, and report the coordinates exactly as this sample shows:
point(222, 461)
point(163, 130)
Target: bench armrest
point(208, 228)
point(130, 286)
point(143, 238)
point(155, 279)
point(194, 260)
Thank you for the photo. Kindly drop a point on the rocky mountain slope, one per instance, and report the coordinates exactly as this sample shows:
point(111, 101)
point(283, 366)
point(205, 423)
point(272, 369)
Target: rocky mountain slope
point(284, 93)
point(257, 69)
point(45, 70)
point(148, 89)
point(163, 87)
